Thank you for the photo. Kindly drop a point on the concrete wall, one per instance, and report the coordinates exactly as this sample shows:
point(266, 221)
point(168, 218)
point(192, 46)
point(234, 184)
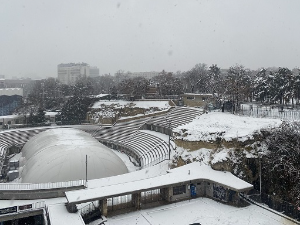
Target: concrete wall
point(204, 189)
point(200, 185)
point(179, 197)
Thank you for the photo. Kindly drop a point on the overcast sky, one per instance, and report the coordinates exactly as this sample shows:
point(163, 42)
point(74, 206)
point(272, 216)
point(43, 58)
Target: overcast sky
point(146, 35)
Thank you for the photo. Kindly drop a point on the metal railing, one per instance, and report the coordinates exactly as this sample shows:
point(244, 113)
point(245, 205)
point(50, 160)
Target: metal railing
point(18, 186)
point(271, 113)
point(91, 207)
point(21, 208)
point(278, 205)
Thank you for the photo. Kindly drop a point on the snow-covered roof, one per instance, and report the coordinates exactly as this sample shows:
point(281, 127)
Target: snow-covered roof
point(101, 95)
point(11, 91)
point(60, 155)
point(58, 215)
point(51, 113)
point(198, 94)
point(10, 117)
point(193, 171)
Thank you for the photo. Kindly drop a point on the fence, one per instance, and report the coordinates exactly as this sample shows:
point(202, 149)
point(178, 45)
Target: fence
point(286, 208)
point(17, 186)
point(151, 196)
point(267, 112)
point(120, 202)
point(20, 208)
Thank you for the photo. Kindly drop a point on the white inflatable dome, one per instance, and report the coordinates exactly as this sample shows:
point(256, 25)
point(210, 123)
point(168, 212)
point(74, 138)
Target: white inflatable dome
point(60, 155)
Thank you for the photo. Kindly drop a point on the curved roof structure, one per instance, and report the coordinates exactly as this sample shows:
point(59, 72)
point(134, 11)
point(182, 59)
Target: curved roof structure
point(60, 155)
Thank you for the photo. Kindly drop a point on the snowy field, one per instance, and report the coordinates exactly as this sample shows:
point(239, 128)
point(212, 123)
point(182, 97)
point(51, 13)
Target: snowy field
point(200, 210)
point(209, 127)
point(139, 104)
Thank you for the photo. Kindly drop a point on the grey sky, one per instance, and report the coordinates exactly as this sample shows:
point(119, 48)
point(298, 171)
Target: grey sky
point(146, 35)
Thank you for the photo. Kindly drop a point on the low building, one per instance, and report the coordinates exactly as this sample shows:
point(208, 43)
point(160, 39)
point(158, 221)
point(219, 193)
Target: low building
point(198, 100)
point(10, 99)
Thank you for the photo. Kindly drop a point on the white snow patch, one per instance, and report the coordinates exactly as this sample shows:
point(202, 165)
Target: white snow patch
point(209, 127)
point(202, 211)
point(220, 156)
point(201, 155)
point(138, 104)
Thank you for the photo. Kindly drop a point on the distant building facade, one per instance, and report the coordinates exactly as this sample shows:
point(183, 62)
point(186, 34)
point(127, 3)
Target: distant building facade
point(94, 71)
point(130, 75)
point(198, 100)
point(10, 99)
point(146, 75)
point(24, 83)
point(69, 73)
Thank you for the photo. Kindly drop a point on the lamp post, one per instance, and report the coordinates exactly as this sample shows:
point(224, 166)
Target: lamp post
point(169, 131)
point(86, 168)
point(259, 161)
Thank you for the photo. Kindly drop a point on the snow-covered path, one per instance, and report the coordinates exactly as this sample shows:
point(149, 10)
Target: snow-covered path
point(200, 210)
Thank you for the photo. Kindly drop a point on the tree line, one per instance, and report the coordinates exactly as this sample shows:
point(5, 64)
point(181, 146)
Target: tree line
point(236, 84)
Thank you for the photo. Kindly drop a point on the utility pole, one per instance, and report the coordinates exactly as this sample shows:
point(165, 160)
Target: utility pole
point(259, 174)
point(86, 164)
point(170, 140)
point(42, 85)
point(169, 132)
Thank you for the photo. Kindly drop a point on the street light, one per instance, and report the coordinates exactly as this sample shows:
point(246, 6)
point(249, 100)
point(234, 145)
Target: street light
point(259, 160)
point(170, 131)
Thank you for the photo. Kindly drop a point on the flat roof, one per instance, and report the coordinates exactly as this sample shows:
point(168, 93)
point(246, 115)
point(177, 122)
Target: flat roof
point(198, 94)
point(58, 215)
point(190, 172)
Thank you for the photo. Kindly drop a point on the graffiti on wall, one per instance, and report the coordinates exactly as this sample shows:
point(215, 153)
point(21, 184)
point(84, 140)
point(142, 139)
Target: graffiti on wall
point(219, 192)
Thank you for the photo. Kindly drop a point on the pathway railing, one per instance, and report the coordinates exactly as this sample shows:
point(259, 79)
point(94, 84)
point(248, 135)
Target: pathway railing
point(20, 186)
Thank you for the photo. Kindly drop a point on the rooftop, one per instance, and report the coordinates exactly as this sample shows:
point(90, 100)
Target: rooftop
point(193, 171)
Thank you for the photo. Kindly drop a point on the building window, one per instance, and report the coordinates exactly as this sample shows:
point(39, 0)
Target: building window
point(178, 190)
point(190, 97)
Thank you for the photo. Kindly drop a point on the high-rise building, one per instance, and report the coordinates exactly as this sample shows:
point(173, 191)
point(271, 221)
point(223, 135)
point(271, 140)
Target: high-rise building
point(69, 73)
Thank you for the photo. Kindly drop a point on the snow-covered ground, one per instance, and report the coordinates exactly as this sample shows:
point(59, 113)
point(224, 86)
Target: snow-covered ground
point(109, 109)
point(210, 126)
point(139, 104)
point(200, 210)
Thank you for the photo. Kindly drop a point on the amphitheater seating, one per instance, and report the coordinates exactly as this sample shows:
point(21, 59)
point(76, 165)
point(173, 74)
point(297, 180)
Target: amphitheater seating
point(176, 117)
point(17, 137)
point(122, 130)
point(149, 148)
